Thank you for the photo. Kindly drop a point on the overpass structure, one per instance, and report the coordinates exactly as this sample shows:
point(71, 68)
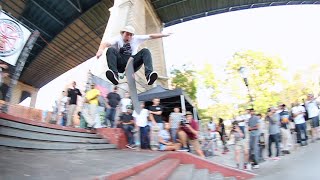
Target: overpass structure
point(71, 30)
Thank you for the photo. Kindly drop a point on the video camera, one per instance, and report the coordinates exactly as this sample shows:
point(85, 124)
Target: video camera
point(234, 125)
point(184, 121)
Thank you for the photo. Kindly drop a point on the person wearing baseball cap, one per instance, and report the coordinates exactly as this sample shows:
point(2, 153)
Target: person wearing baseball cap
point(124, 46)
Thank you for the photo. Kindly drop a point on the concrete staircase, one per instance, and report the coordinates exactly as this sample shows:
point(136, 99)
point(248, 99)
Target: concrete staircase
point(30, 136)
point(172, 169)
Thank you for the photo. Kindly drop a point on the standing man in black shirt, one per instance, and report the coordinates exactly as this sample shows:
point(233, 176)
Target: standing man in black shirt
point(113, 102)
point(155, 112)
point(73, 94)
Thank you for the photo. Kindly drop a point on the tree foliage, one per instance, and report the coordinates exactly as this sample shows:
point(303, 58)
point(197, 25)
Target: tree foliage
point(264, 77)
point(301, 84)
point(268, 82)
point(184, 78)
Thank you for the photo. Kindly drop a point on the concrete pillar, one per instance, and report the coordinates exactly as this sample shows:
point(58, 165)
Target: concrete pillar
point(17, 92)
point(142, 16)
point(34, 96)
point(119, 17)
point(183, 104)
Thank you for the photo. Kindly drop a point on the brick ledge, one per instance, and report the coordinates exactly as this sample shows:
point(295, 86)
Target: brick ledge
point(42, 124)
point(185, 158)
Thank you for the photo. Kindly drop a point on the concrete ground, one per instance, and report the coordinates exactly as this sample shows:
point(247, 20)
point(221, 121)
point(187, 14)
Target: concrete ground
point(76, 165)
point(302, 163)
point(15, 164)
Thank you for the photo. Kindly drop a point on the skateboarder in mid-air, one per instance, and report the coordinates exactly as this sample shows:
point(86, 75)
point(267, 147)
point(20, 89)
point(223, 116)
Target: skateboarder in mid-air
point(124, 46)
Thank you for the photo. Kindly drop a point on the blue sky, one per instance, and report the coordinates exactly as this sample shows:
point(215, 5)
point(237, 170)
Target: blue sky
point(291, 32)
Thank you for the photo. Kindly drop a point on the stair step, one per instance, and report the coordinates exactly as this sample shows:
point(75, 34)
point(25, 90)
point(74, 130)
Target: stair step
point(160, 171)
point(200, 174)
point(216, 176)
point(183, 172)
point(45, 130)
point(47, 145)
point(7, 131)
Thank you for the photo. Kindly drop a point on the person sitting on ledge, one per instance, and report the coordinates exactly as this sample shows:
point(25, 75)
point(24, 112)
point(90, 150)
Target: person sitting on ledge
point(127, 124)
point(165, 140)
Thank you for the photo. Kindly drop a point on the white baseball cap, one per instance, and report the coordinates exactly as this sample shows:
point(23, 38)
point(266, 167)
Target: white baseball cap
point(128, 29)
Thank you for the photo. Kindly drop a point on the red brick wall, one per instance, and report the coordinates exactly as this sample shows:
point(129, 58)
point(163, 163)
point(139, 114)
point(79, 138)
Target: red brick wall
point(25, 112)
point(114, 136)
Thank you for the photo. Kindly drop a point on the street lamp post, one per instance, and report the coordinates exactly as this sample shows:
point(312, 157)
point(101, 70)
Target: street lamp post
point(244, 74)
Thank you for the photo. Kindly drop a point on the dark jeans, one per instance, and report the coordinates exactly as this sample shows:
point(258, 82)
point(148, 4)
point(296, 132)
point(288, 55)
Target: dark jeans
point(110, 115)
point(242, 128)
point(254, 148)
point(117, 62)
point(128, 131)
point(174, 132)
point(261, 146)
point(301, 128)
point(64, 119)
point(144, 137)
point(274, 138)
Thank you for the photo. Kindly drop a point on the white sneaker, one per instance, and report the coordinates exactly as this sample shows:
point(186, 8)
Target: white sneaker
point(248, 167)
point(256, 166)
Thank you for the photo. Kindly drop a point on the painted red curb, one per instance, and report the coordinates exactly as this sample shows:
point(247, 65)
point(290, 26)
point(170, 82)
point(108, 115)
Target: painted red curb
point(184, 158)
point(153, 172)
point(42, 124)
point(226, 171)
point(131, 171)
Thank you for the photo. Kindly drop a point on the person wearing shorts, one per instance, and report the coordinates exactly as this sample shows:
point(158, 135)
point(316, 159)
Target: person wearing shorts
point(313, 115)
point(165, 143)
point(240, 144)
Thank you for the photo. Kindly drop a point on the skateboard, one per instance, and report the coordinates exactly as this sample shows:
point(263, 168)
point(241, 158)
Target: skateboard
point(154, 139)
point(129, 72)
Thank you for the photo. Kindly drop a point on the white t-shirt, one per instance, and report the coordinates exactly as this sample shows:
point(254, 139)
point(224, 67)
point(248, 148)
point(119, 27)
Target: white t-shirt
point(63, 104)
point(142, 118)
point(247, 117)
point(241, 118)
point(262, 126)
point(135, 42)
point(124, 103)
point(312, 108)
point(212, 126)
point(300, 118)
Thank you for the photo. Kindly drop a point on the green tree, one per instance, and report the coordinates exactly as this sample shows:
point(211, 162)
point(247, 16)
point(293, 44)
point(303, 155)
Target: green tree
point(218, 110)
point(265, 77)
point(300, 85)
point(207, 79)
point(184, 77)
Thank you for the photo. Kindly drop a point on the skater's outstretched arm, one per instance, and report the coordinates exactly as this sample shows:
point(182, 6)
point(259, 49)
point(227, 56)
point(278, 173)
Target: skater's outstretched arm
point(4, 66)
point(102, 47)
point(160, 35)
